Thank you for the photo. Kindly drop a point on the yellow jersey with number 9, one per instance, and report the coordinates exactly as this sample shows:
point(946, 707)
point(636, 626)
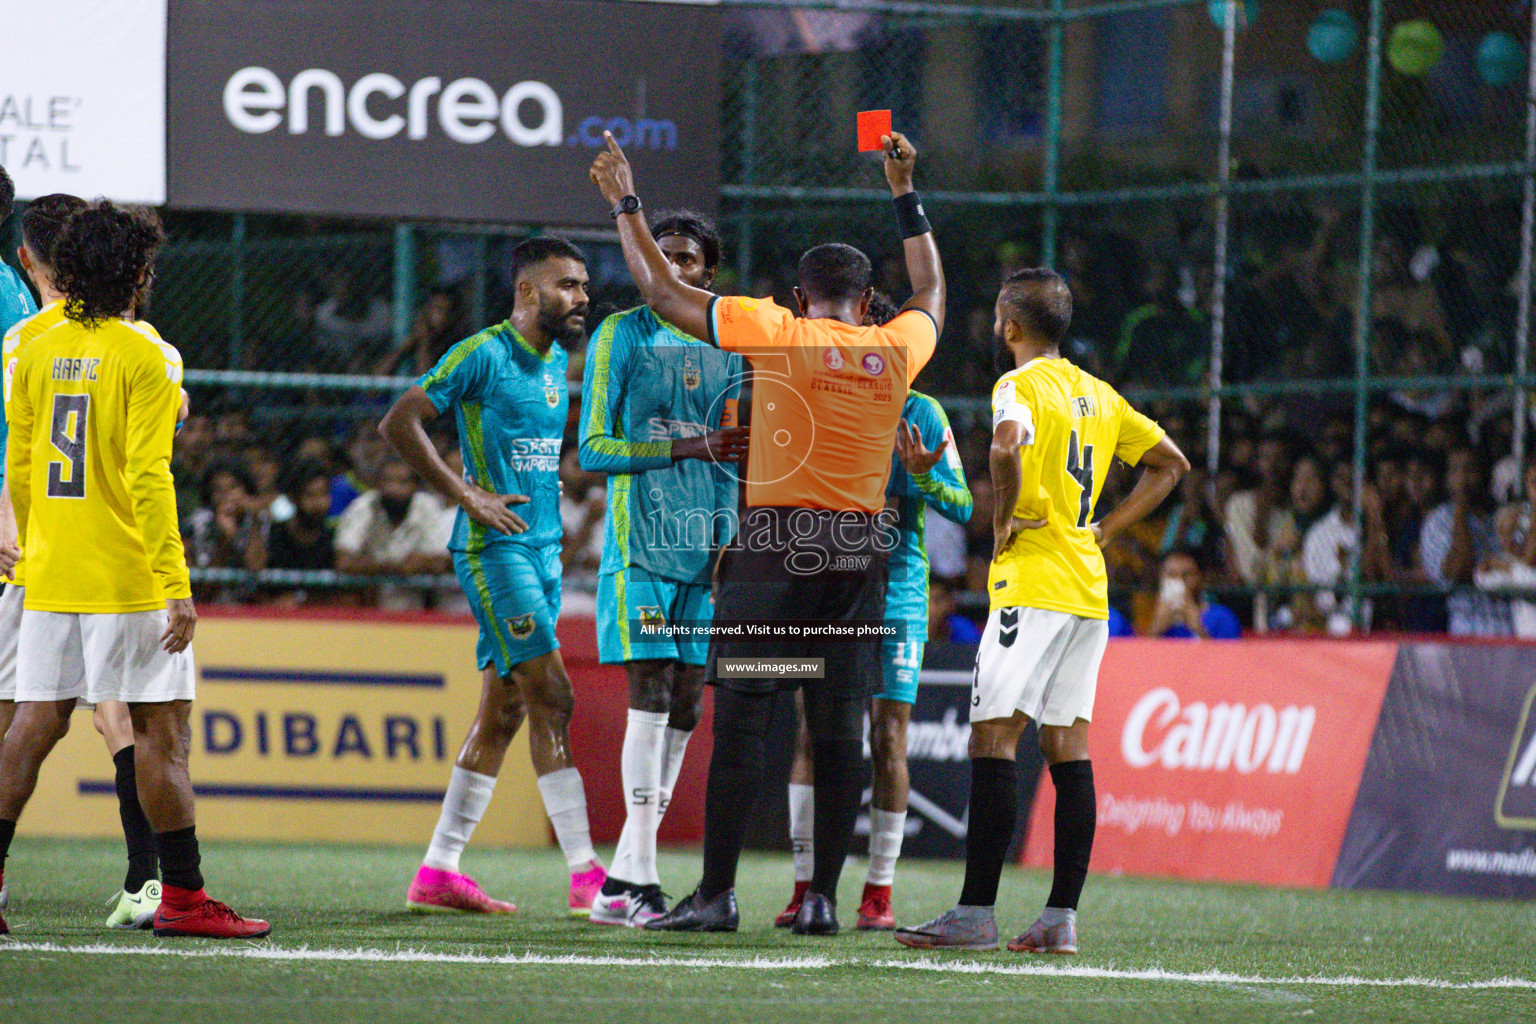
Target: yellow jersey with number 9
point(1071, 425)
point(93, 416)
point(22, 332)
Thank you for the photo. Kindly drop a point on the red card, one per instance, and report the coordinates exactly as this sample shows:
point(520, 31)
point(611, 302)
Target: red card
point(872, 125)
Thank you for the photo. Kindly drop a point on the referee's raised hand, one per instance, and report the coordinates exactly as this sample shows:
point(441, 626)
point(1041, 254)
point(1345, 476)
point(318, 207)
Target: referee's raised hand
point(491, 509)
point(611, 172)
point(900, 161)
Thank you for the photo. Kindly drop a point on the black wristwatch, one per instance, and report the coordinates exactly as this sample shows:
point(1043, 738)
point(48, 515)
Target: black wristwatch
point(628, 204)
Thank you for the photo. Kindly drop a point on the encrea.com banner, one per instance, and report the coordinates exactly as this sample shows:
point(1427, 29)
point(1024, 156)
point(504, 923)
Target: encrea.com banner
point(1233, 762)
point(460, 109)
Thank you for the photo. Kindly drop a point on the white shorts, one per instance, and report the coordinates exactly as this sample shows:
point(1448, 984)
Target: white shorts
point(100, 657)
point(1043, 663)
point(10, 630)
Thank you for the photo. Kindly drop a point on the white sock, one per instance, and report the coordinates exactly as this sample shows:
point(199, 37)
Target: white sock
point(672, 764)
point(640, 767)
point(469, 794)
point(565, 801)
point(802, 829)
point(886, 831)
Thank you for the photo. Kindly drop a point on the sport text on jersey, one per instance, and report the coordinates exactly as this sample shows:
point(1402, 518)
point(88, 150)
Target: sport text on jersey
point(535, 454)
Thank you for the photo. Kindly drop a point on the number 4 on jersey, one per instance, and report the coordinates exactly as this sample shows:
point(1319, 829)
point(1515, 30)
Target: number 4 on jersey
point(70, 443)
point(1080, 469)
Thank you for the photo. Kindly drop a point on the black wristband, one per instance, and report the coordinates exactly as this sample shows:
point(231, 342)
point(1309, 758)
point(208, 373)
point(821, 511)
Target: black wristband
point(910, 219)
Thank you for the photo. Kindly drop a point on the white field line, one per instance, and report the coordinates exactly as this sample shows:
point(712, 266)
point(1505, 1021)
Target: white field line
point(761, 963)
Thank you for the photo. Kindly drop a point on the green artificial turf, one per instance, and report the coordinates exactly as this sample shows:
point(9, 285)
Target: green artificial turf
point(328, 899)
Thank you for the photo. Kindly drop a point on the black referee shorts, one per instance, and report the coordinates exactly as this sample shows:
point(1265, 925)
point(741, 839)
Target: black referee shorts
point(805, 566)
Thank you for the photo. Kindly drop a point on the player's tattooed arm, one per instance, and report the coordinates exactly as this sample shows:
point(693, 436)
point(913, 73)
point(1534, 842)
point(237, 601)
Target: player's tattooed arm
point(679, 304)
point(1165, 467)
point(1007, 482)
point(404, 427)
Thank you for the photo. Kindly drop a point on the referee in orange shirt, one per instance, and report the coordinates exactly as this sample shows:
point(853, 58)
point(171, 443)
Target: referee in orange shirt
point(811, 550)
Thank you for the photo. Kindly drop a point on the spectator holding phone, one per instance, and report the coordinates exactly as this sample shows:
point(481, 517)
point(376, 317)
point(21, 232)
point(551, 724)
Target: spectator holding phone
point(1182, 607)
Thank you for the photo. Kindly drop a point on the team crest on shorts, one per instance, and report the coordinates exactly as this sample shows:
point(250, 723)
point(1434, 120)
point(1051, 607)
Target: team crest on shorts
point(651, 615)
point(521, 626)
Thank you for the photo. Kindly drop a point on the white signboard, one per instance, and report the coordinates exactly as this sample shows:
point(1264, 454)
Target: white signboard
point(82, 98)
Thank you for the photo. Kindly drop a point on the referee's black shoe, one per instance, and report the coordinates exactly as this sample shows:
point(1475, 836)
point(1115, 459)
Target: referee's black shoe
point(696, 914)
point(817, 916)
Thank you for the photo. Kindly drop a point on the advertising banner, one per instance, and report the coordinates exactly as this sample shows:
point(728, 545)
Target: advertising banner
point(313, 730)
point(462, 109)
point(1233, 762)
point(82, 99)
point(1448, 800)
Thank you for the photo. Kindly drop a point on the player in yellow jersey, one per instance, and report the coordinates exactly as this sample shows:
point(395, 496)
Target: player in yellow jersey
point(107, 612)
point(1055, 431)
point(136, 903)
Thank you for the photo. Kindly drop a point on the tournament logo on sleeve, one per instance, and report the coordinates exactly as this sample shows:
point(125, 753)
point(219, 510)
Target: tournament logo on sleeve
point(833, 358)
point(521, 626)
point(873, 364)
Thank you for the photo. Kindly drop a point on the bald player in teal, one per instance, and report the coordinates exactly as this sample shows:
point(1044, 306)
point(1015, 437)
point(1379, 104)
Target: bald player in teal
point(653, 403)
point(507, 390)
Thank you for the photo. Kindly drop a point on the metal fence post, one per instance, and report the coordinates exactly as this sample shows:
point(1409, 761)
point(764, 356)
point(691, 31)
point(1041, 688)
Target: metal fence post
point(477, 283)
point(1051, 216)
point(1223, 218)
point(1364, 297)
point(237, 292)
point(744, 238)
point(405, 282)
point(1528, 224)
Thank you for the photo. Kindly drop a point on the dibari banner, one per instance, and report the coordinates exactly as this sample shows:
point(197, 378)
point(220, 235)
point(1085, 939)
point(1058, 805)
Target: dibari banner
point(82, 98)
point(1448, 802)
point(1227, 762)
point(461, 109)
point(313, 730)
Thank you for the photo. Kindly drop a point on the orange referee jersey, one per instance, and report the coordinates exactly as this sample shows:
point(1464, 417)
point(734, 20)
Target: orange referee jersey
point(826, 400)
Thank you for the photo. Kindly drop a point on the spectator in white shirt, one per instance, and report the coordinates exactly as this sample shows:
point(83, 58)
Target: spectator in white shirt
point(395, 529)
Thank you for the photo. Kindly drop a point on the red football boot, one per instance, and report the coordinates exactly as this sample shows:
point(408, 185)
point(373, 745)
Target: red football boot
point(875, 910)
point(196, 915)
point(787, 915)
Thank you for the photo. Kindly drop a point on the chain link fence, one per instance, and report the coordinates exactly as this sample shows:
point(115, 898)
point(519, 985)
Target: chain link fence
point(1297, 232)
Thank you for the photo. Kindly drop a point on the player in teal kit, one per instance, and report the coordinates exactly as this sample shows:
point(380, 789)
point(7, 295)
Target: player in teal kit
point(507, 389)
point(653, 400)
point(926, 471)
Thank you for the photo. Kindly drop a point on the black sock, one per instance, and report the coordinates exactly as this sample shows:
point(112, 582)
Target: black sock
point(138, 837)
point(1077, 815)
point(994, 811)
point(180, 861)
point(838, 778)
point(735, 777)
point(7, 833)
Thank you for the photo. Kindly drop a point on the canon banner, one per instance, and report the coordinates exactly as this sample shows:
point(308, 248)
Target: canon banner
point(82, 98)
point(1235, 762)
point(462, 109)
point(1448, 802)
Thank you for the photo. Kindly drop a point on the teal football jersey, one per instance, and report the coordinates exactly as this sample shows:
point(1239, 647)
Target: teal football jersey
point(943, 487)
point(511, 405)
point(15, 304)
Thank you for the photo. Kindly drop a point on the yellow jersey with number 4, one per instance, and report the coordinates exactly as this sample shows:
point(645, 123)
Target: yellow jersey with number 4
point(93, 415)
point(16, 339)
point(1071, 425)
